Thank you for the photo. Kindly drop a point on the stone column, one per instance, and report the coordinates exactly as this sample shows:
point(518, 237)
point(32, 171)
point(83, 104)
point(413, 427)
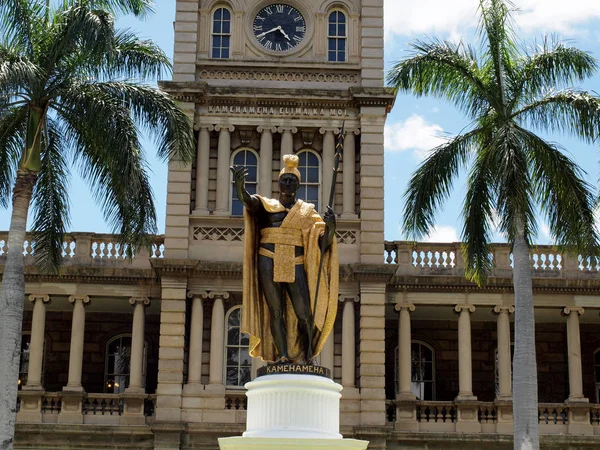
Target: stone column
point(348, 342)
point(223, 177)
point(36, 346)
point(503, 400)
point(202, 166)
point(406, 402)
point(328, 156)
point(466, 402)
point(404, 351)
point(465, 372)
point(265, 172)
point(217, 340)
point(77, 341)
point(73, 392)
point(348, 175)
point(136, 365)
point(579, 411)
point(504, 353)
point(574, 347)
point(196, 331)
point(287, 141)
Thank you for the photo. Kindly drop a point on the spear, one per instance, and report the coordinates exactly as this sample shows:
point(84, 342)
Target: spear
point(339, 149)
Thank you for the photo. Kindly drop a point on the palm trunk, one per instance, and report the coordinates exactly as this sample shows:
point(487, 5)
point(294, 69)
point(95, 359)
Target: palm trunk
point(12, 295)
point(525, 388)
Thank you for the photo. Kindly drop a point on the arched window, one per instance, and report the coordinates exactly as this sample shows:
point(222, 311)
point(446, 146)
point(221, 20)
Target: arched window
point(238, 364)
point(221, 33)
point(597, 373)
point(117, 368)
point(337, 36)
point(249, 159)
point(310, 172)
point(422, 371)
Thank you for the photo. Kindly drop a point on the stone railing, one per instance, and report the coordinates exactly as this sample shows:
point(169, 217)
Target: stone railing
point(490, 417)
point(424, 258)
point(90, 249)
point(236, 402)
point(108, 409)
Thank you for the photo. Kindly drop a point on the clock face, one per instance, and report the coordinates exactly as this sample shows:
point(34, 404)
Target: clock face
point(279, 27)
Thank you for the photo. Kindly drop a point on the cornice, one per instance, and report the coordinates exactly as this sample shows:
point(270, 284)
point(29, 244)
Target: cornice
point(90, 275)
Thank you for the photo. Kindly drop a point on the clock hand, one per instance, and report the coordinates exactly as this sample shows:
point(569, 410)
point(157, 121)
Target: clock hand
point(267, 32)
point(283, 32)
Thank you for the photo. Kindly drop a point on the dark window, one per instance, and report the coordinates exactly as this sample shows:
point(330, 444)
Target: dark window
point(248, 159)
point(221, 33)
point(337, 37)
point(310, 174)
point(238, 364)
point(117, 369)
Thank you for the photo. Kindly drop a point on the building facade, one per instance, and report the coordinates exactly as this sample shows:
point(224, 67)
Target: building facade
point(148, 352)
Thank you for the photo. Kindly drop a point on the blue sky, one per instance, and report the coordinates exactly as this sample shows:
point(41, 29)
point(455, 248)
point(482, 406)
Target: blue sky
point(415, 125)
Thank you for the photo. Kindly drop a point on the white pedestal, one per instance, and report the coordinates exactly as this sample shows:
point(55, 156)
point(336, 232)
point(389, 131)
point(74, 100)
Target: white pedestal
point(292, 412)
point(246, 443)
point(293, 406)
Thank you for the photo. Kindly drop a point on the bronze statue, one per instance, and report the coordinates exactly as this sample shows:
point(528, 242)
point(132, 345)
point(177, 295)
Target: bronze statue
point(283, 241)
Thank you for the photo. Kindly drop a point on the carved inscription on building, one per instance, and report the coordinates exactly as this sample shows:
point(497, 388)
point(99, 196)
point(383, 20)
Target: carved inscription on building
point(278, 111)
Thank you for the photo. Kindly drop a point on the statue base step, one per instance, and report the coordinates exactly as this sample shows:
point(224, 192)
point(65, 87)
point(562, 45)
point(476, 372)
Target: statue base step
point(248, 443)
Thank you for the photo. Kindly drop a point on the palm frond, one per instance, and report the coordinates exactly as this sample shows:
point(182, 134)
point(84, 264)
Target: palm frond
point(158, 113)
point(17, 74)
point(13, 123)
point(553, 65)
point(478, 209)
point(50, 200)
point(139, 8)
point(18, 18)
point(134, 58)
point(109, 157)
point(564, 195)
point(570, 111)
point(497, 34)
point(77, 29)
point(446, 70)
point(431, 183)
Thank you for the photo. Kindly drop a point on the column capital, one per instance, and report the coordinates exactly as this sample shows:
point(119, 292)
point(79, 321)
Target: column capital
point(197, 294)
point(354, 131)
point(349, 297)
point(83, 298)
point(283, 129)
point(199, 127)
point(269, 129)
point(569, 309)
point(465, 307)
point(405, 307)
point(143, 300)
point(501, 309)
point(223, 295)
point(224, 127)
point(45, 298)
point(333, 130)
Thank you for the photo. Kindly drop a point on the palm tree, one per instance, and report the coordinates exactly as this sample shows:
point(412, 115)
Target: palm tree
point(508, 94)
point(72, 97)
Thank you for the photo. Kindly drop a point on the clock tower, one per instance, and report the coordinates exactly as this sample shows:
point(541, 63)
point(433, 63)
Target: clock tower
point(261, 79)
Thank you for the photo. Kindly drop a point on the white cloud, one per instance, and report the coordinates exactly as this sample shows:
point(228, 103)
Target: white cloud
point(443, 16)
point(413, 134)
point(442, 233)
point(545, 233)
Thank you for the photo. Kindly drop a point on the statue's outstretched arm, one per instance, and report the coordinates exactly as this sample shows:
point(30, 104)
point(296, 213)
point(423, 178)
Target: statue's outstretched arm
point(251, 202)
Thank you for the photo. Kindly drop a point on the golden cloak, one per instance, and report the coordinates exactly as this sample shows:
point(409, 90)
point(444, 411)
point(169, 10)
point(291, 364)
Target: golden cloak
point(256, 319)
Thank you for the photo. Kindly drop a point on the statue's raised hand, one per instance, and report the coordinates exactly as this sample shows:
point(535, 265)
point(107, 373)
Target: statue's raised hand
point(239, 175)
